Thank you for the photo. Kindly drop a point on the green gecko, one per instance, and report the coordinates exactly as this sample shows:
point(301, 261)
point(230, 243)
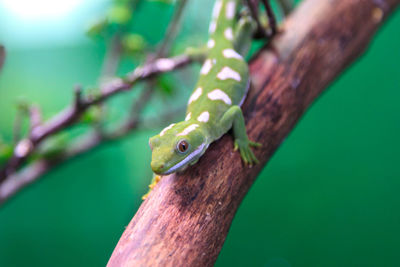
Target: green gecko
point(214, 106)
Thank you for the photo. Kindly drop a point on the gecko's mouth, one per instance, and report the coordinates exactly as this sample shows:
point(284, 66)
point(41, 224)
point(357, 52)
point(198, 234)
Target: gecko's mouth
point(158, 168)
point(165, 170)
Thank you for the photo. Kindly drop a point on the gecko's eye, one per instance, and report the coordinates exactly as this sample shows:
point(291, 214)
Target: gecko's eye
point(183, 146)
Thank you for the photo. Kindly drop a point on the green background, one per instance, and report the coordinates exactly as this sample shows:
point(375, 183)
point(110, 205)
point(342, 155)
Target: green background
point(329, 196)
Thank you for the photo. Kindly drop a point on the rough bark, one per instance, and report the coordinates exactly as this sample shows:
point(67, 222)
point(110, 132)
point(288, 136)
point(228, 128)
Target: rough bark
point(186, 218)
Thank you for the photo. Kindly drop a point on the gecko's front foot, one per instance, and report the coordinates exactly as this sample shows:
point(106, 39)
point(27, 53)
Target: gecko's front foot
point(246, 153)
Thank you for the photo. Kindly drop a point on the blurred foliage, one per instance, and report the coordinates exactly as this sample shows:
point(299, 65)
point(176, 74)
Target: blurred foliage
point(5, 151)
point(329, 197)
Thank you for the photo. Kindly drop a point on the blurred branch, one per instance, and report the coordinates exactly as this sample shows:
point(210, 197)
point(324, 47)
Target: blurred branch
point(162, 51)
point(35, 116)
point(185, 219)
point(84, 143)
point(19, 118)
point(287, 6)
point(172, 30)
point(271, 17)
point(263, 31)
point(112, 58)
point(72, 114)
point(12, 179)
point(2, 56)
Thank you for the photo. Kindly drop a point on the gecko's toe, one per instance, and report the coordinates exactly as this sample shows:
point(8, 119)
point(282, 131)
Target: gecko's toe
point(235, 146)
point(255, 144)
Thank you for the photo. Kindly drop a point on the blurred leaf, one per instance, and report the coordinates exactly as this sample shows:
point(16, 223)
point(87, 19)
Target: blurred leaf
point(6, 151)
point(166, 85)
point(120, 14)
point(23, 106)
point(53, 146)
point(133, 43)
point(97, 28)
point(92, 115)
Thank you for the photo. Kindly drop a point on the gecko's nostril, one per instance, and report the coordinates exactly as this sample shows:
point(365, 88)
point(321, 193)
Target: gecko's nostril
point(157, 167)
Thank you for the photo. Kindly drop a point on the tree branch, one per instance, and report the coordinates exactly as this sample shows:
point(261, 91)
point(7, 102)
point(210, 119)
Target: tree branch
point(186, 218)
point(2, 56)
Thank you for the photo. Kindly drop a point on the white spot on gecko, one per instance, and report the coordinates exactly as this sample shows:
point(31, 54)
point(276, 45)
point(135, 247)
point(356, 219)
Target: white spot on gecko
point(228, 34)
point(188, 129)
point(218, 94)
point(217, 9)
point(228, 73)
point(166, 129)
point(196, 94)
point(230, 53)
point(203, 117)
point(210, 43)
point(188, 116)
point(230, 10)
point(165, 64)
point(206, 67)
point(213, 26)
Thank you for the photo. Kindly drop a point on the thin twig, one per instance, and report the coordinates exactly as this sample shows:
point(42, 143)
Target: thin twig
point(262, 31)
point(35, 116)
point(139, 104)
point(156, 66)
point(271, 17)
point(133, 120)
point(72, 114)
point(173, 29)
point(19, 118)
point(112, 58)
point(87, 142)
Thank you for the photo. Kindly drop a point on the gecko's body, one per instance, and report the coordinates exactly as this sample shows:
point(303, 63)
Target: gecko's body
point(214, 106)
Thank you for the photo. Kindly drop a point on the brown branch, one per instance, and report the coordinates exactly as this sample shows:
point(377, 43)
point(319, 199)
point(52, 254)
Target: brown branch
point(186, 218)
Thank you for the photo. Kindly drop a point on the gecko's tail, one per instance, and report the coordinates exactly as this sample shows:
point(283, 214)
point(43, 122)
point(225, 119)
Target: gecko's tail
point(223, 19)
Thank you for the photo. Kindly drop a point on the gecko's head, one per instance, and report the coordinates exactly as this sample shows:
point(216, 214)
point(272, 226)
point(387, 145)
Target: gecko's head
point(176, 147)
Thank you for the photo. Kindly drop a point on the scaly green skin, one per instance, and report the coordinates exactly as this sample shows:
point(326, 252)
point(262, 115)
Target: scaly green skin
point(214, 106)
